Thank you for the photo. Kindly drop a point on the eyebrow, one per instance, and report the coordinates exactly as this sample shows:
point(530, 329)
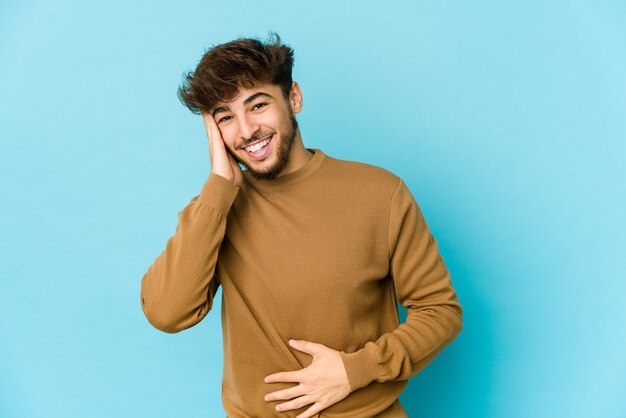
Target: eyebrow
point(222, 109)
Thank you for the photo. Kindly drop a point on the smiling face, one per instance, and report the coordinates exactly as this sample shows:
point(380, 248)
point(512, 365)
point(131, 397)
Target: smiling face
point(259, 128)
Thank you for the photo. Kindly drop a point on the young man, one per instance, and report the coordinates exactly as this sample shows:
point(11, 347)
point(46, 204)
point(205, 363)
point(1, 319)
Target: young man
point(311, 253)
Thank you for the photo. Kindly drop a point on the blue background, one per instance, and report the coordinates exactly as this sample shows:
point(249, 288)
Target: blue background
point(506, 119)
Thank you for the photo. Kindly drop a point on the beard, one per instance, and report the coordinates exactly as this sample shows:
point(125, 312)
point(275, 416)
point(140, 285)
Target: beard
point(287, 138)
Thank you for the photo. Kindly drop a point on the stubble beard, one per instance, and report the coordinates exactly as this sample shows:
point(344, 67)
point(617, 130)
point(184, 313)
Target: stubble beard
point(282, 153)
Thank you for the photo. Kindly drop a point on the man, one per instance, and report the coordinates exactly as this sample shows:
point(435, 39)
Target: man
point(306, 248)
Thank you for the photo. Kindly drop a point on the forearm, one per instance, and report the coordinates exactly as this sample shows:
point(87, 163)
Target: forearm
point(423, 285)
point(178, 288)
point(404, 352)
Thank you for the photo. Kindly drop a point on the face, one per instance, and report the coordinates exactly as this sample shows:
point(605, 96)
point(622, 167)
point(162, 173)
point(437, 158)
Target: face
point(259, 128)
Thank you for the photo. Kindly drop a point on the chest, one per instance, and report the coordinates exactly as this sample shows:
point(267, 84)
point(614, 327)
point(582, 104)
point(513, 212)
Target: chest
point(295, 246)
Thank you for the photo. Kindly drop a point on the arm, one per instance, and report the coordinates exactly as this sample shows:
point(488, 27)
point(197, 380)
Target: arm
point(423, 286)
point(177, 290)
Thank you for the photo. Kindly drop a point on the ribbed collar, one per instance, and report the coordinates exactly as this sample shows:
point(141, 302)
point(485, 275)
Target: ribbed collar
point(290, 178)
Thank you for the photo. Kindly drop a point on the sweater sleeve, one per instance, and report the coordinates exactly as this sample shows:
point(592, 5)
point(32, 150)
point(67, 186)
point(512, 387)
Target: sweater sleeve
point(422, 283)
point(178, 288)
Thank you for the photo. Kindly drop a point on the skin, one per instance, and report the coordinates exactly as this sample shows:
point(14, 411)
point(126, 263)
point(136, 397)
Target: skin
point(236, 124)
point(323, 383)
point(231, 126)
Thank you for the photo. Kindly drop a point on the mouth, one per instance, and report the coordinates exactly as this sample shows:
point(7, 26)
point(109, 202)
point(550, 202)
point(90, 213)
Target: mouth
point(260, 148)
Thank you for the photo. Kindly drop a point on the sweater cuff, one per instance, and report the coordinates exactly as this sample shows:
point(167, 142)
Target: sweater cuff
point(218, 192)
point(362, 367)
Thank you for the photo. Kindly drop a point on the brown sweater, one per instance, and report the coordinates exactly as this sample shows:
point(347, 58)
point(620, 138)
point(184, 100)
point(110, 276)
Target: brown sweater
point(318, 254)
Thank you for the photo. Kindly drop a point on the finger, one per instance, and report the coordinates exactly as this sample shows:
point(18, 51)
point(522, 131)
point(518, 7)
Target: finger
point(209, 125)
point(306, 346)
point(206, 119)
point(216, 144)
point(233, 162)
point(284, 377)
point(314, 409)
point(286, 393)
point(295, 404)
point(213, 131)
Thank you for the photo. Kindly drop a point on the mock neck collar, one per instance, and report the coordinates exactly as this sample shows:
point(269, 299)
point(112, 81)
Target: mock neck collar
point(290, 178)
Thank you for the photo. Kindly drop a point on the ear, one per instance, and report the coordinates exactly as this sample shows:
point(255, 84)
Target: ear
point(295, 97)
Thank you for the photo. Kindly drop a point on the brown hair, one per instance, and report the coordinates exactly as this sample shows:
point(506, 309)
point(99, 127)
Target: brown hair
point(242, 63)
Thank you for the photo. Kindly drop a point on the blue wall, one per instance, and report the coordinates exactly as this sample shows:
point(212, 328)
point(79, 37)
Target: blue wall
point(506, 120)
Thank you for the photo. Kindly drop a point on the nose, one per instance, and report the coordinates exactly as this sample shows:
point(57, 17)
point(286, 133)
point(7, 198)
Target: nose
point(247, 127)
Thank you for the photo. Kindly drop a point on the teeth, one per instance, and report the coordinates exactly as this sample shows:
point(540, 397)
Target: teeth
point(256, 147)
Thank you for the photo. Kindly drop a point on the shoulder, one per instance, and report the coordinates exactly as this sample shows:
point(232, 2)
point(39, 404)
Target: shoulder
point(362, 175)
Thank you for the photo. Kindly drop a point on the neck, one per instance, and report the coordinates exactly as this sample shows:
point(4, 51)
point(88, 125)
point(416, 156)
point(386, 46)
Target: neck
point(298, 156)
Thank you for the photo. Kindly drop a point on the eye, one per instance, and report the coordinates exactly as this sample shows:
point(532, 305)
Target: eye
point(258, 105)
point(225, 118)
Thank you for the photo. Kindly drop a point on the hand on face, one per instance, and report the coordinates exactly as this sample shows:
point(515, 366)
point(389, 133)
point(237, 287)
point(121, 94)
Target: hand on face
point(323, 383)
point(222, 161)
